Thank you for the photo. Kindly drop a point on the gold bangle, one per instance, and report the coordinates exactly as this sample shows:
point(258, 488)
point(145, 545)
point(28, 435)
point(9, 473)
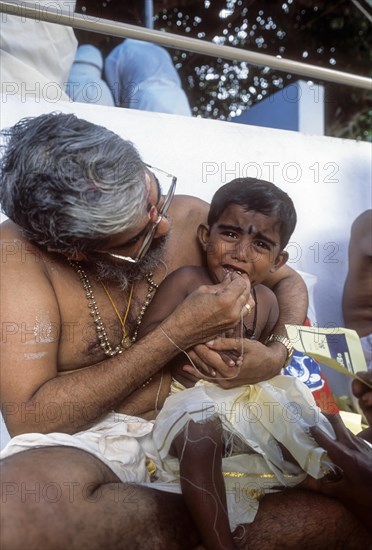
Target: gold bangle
point(286, 343)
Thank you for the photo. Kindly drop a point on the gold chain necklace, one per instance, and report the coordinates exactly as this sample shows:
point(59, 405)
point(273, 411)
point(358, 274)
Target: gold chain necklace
point(104, 342)
point(126, 341)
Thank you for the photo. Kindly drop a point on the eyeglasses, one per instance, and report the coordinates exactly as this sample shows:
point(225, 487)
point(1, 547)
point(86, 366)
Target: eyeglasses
point(159, 214)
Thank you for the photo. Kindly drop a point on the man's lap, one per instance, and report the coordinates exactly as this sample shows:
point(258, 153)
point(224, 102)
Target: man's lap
point(77, 487)
point(117, 441)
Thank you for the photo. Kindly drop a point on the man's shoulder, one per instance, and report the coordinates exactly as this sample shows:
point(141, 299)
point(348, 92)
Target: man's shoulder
point(14, 243)
point(19, 254)
point(183, 248)
point(183, 206)
point(9, 229)
point(360, 245)
point(362, 224)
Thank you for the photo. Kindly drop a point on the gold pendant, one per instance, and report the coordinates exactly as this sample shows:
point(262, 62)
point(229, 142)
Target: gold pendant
point(126, 342)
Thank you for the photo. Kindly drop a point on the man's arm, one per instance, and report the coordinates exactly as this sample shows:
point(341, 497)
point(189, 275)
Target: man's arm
point(357, 292)
point(353, 456)
point(360, 236)
point(35, 398)
point(291, 293)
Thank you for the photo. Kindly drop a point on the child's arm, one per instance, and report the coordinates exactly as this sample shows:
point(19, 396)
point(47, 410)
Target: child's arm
point(172, 291)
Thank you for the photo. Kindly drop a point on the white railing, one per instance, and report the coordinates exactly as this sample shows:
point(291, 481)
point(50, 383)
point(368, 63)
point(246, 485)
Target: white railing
point(51, 14)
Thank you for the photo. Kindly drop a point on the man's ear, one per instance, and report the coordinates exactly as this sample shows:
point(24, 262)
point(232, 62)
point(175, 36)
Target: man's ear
point(76, 256)
point(203, 235)
point(280, 260)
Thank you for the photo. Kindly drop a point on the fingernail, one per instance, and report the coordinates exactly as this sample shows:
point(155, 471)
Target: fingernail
point(210, 343)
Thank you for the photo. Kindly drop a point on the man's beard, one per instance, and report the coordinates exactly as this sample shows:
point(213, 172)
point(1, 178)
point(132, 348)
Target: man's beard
point(124, 273)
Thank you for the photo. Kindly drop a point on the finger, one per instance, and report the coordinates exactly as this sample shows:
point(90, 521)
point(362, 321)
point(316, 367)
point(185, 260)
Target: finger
point(339, 453)
point(207, 359)
point(215, 289)
point(248, 306)
point(190, 369)
point(225, 344)
point(199, 365)
point(342, 433)
point(228, 359)
point(357, 385)
point(241, 284)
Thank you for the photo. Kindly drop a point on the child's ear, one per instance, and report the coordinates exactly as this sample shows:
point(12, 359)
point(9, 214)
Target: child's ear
point(203, 235)
point(280, 260)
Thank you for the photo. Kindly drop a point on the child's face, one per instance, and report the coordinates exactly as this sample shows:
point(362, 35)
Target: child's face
point(247, 242)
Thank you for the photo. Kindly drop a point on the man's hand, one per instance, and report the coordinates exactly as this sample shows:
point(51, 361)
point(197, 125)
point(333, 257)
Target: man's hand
point(364, 394)
point(256, 361)
point(354, 457)
point(208, 311)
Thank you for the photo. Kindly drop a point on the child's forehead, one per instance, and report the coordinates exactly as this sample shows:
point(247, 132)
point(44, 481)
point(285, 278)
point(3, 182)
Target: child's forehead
point(245, 214)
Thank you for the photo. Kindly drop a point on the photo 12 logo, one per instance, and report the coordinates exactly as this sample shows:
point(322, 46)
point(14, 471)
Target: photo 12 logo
point(289, 172)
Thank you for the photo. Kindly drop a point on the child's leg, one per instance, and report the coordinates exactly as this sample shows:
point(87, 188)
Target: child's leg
point(199, 449)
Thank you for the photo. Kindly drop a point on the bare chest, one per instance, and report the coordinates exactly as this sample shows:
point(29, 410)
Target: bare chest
point(95, 320)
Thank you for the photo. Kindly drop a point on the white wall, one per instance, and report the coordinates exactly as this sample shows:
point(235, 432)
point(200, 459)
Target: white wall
point(329, 179)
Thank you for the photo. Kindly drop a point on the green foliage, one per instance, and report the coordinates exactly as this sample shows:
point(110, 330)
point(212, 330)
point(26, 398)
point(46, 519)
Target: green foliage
point(330, 34)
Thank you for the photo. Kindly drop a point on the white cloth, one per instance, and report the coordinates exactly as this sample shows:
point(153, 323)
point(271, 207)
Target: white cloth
point(254, 418)
point(118, 440)
point(36, 56)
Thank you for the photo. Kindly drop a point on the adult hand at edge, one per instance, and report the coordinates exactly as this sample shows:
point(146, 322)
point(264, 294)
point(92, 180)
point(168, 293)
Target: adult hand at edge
point(354, 457)
point(364, 394)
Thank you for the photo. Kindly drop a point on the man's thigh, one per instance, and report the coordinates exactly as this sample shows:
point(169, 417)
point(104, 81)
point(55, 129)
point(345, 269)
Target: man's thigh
point(298, 519)
point(61, 497)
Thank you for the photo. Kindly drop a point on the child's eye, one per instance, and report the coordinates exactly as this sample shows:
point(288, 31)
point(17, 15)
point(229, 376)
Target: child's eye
point(262, 244)
point(230, 234)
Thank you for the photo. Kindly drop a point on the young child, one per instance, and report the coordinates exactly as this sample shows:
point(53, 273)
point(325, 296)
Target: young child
point(227, 447)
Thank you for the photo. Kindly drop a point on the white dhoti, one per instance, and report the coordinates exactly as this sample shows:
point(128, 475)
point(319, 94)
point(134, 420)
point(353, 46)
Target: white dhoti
point(119, 440)
point(255, 419)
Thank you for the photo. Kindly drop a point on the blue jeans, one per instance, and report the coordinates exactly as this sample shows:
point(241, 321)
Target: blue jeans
point(136, 75)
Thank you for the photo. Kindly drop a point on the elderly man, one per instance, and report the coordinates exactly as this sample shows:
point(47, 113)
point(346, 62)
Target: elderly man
point(89, 239)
